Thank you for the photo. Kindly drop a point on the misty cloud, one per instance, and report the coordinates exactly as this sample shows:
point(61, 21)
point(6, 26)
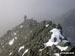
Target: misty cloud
point(13, 11)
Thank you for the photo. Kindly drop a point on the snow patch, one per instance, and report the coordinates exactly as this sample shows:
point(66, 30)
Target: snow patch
point(16, 38)
point(10, 53)
point(21, 26)
point(50, 43)
point(62, 48)
point(22, 47)
point(64, 41)
point(57, 54)
point(14, 33)
point(25, 52)
point(41, 50)
point(47, 25)
point(55, 33)
point(11, 42)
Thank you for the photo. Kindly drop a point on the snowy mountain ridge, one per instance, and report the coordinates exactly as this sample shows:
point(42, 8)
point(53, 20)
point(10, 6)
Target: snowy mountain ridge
point(31, 38)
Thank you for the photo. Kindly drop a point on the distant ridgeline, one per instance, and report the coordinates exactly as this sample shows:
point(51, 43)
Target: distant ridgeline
point(32, 38)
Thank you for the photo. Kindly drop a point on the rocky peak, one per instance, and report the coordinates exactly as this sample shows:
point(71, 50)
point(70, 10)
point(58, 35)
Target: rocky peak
point(31, 38)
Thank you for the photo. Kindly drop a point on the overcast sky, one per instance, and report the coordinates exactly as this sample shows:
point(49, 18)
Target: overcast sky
point(12, 11)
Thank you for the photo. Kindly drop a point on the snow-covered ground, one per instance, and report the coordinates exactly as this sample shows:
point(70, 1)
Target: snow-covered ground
point(56, 34)
point(47, 25)
point(41, 50)
point(62, 48)
point(57, 54)
point(25, 52)
point(16, 38)
point(11, 42)
point(22, 47)
point(10, 53)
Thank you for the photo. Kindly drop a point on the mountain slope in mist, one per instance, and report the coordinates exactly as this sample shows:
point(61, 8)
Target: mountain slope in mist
point(35, 39)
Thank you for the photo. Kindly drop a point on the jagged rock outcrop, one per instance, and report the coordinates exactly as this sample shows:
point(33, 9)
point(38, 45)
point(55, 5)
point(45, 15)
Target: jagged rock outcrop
point(35, 39)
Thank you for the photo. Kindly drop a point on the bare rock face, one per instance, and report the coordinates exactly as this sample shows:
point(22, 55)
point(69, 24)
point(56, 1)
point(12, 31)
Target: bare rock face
point(36, 39)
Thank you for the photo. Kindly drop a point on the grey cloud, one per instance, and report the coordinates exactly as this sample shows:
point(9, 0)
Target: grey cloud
point(12, 11)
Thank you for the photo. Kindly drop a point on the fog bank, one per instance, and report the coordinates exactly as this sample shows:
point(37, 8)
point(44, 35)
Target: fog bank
point(13, 11)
